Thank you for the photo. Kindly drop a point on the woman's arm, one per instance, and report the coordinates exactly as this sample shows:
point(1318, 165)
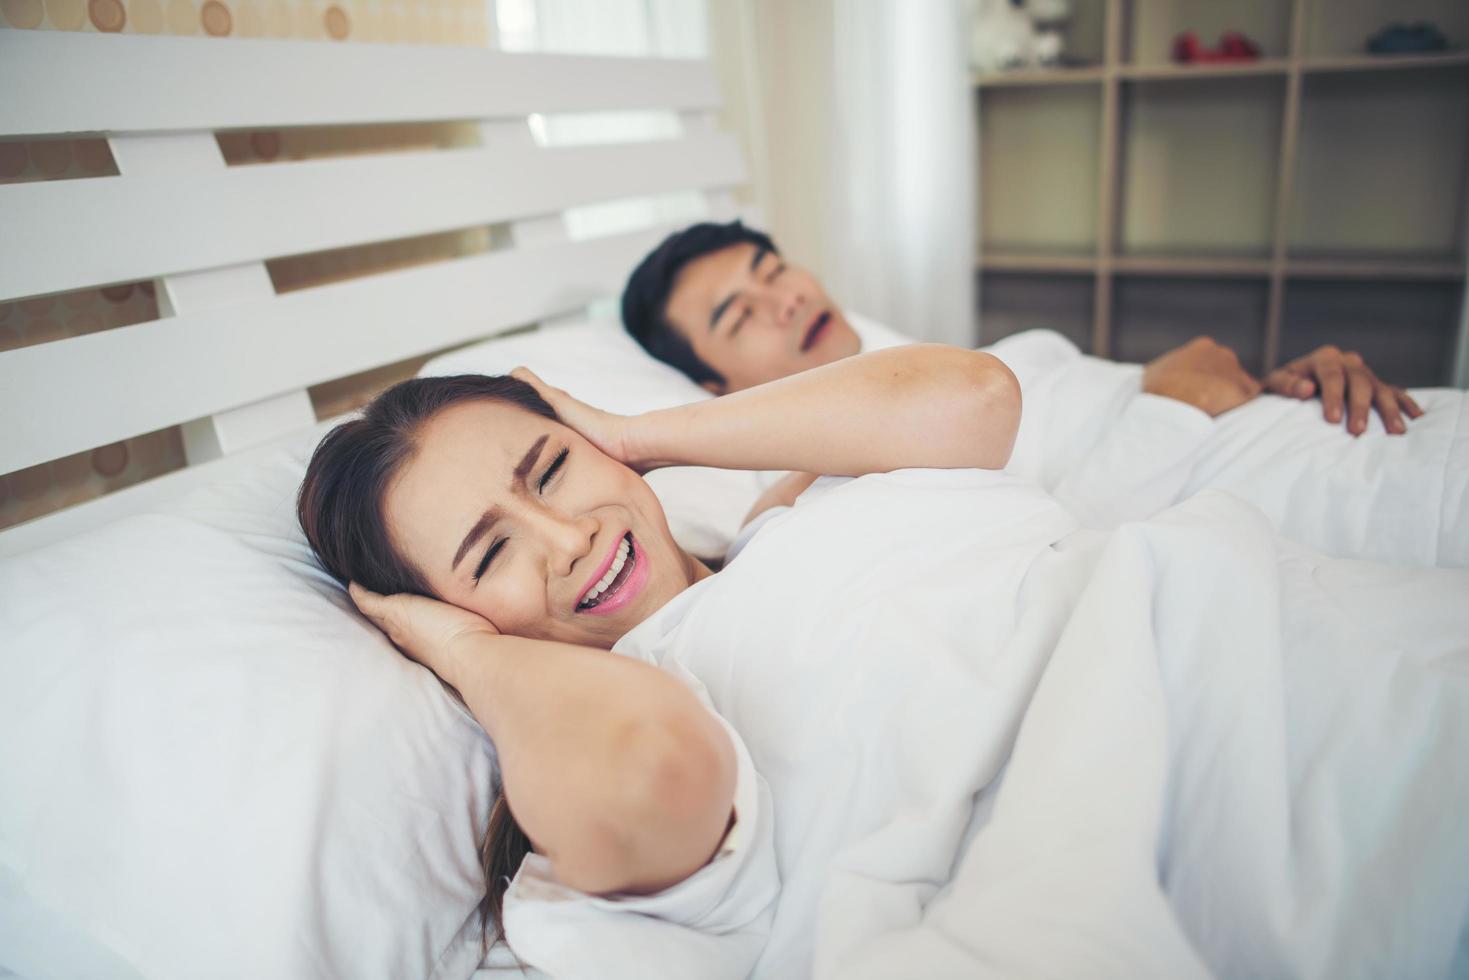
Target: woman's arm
point(616, 772)
point(926, 405)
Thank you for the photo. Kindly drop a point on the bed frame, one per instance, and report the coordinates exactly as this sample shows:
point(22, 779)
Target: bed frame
point(229, 359)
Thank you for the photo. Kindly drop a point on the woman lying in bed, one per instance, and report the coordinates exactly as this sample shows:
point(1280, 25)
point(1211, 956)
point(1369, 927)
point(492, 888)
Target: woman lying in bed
point(520, 512)
point(541, 544)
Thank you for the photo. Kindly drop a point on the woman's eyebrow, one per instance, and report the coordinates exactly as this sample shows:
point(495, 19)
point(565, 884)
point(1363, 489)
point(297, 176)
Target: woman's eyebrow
point(489, 517)
point(528, 461)
point(485, 522)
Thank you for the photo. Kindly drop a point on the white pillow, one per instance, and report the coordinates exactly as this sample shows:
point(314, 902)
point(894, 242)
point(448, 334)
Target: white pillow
point(597, 362)
point(209, 765)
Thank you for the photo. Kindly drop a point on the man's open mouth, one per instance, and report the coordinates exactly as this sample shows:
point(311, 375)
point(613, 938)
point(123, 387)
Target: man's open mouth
point(624, 560)
point(818, 326)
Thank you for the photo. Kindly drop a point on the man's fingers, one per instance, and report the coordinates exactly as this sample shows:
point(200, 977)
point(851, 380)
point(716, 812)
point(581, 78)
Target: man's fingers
point(1283, 381)
point(1386, 400)
point(1333, 388)
point(1409, 405)
point(1359, 398)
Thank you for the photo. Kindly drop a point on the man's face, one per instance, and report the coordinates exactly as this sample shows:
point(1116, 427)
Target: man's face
point(753, 317)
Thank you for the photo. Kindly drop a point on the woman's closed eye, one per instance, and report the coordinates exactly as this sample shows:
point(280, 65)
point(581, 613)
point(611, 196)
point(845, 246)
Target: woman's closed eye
point(494, 548)
point(490, 553)
point(551, 470)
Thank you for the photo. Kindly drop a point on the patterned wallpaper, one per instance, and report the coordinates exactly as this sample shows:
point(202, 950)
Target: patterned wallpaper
point(38, 490)
point(464, 22)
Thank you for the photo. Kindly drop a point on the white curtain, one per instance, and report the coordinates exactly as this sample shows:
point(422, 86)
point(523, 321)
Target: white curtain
point(904, 181)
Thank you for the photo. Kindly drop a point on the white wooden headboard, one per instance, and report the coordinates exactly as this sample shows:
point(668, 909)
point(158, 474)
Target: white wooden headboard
point(229, 359)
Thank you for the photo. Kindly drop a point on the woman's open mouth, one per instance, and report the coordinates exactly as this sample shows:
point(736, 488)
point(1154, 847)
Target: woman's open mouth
point(818, 327)
point(623, 577)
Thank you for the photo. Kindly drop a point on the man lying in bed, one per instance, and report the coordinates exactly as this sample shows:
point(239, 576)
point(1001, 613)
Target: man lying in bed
point(1114, 442)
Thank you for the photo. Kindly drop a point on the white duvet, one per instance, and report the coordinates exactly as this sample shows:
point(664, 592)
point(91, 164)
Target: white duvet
point(1112, 454)
point(1002, 746)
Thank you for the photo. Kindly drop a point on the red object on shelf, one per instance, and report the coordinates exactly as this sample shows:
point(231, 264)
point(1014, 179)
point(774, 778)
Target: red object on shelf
point(1233, 46)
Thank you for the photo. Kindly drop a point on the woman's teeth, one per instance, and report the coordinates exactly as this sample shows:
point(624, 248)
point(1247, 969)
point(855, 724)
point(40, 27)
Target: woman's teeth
point(624, 552)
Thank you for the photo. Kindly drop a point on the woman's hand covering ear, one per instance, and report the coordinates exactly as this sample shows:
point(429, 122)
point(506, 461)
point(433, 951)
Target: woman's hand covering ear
point(428, 631)
point(610, 433)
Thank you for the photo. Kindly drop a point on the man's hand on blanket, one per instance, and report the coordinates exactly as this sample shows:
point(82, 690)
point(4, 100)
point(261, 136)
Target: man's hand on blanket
point(1201, 373)
point(426, 630)
point(608, 432)
point(1343, 378)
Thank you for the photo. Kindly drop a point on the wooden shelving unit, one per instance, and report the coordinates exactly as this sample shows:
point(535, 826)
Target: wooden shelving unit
point(1267, 202)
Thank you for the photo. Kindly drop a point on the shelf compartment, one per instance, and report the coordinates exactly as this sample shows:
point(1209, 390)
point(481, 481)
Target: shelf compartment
point(1153, 24)
point(1203, 266)
point(1338, 64)
point(1151, 315)
point(1356, 191)
point(1342, 27)
point(1039, 155)
point(1199, 167)
point(1080, 75)
point(1412, 267)
point(1012, 302)
point(1037, 261)
point(1405, 330)
point(1222, 69)
point(1385, 62)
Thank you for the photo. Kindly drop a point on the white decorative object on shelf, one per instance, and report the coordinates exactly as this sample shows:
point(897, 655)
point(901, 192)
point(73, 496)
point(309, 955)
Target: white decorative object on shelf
point(1018, 33)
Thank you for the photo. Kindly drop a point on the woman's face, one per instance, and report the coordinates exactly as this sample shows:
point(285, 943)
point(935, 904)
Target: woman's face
point(519, 519)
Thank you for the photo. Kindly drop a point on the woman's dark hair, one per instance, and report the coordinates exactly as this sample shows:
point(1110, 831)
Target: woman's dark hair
point(645, 297)
point(340, 507)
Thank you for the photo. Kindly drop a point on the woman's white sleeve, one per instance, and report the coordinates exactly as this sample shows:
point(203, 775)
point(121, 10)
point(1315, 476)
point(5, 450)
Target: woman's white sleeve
point(712, 924)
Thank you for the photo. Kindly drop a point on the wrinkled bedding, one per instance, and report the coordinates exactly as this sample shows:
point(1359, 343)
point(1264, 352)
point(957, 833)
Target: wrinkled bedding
point(1111, 454)
point(1001, 745)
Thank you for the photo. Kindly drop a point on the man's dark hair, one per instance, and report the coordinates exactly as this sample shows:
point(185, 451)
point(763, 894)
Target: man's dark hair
point(645, 298)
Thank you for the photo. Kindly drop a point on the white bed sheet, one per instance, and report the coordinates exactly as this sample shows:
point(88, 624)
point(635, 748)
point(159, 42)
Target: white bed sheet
point(1231, 754)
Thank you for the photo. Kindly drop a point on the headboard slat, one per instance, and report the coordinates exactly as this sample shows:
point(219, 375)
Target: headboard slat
point(135, 83)
point(75, 394)
point(242, 214)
